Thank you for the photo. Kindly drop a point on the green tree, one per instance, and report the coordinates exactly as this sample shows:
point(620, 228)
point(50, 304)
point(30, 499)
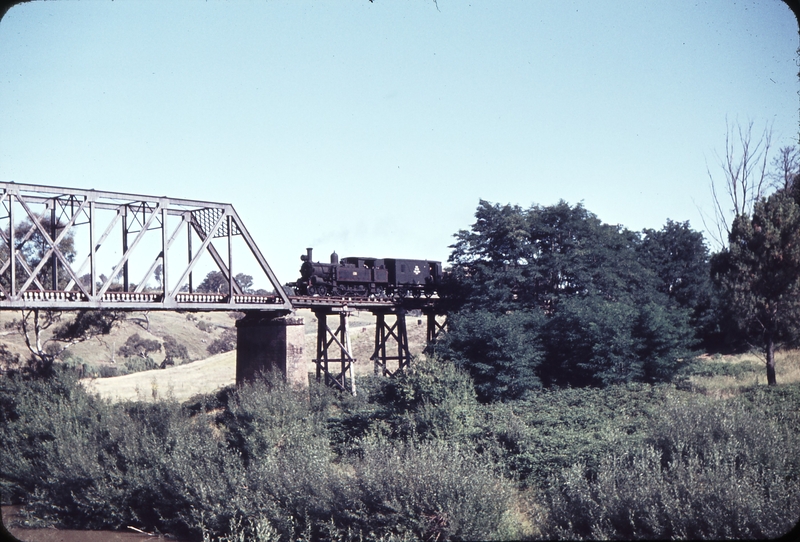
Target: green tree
point(216, 283)
point(86, 325)
point(501, 352)
point(679, 258)
point(759, 276)
point(173, 350)
point(139, 346)
point(552, 294)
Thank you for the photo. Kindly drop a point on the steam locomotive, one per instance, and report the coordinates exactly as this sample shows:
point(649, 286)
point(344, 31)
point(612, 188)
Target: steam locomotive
point(364, 277)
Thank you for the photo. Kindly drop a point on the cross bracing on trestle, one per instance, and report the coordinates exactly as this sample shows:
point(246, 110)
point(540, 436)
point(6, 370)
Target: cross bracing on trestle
point(65, 248)
point(334, 360)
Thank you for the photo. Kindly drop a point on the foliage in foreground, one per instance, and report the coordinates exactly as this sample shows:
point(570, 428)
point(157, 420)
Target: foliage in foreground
point(78, 461)
point(706, 471)
point(415, 457)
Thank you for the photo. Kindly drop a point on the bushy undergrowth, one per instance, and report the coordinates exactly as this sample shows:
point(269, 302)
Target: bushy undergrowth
point(535, 439)
point(257, 457)
point(412, 457)
point(706, 471)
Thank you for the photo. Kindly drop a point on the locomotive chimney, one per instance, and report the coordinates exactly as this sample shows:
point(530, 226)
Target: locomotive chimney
point(308, 255)
point(334, 258)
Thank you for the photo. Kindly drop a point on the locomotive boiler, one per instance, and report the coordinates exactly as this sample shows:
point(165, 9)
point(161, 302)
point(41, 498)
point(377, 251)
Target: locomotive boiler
point(364, 277)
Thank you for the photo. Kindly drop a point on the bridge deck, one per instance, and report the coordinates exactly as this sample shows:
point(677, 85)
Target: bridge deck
point(133, 301)
point(337, 304)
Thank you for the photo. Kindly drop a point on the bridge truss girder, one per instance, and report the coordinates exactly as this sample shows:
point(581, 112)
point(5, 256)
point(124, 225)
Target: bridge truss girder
point(38, 268)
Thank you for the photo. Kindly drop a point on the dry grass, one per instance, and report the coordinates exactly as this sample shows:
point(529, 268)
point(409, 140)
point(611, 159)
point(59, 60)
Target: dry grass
point(102, 350)
point(208, 375)
point(753, 373)
point(180, 383)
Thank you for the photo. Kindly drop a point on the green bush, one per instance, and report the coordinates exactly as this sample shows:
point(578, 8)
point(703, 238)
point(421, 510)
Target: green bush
point(225, 343)
point(502, 352)
point(707, 471)
point(533, 440)
point(136, 346)
point(431, 400)
point(431, 491)
point(173, 350)
point(412, 457)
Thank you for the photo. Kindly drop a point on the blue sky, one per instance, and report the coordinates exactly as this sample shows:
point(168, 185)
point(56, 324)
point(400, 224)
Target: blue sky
point(375, 128)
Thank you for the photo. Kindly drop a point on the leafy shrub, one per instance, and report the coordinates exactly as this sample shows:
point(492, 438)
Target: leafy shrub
point(207, 327)
point(430, 400)
point(9, 361)
point(173, 350)
point(105, 371)
point(432, 491)
point(531, 441)
point(707, 471)
point(501, 352)
point(47, 424)
point(137, 364)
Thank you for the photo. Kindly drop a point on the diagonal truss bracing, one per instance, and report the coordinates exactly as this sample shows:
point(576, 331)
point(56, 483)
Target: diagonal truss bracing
point(63, 248)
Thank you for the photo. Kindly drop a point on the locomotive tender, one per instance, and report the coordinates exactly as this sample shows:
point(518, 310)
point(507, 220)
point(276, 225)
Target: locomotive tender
point(364, 277)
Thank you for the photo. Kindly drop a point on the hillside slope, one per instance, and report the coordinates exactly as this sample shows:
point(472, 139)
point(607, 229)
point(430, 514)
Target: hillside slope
point(180, 382)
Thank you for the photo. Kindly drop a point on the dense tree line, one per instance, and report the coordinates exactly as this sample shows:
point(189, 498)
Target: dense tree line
point(550, 295)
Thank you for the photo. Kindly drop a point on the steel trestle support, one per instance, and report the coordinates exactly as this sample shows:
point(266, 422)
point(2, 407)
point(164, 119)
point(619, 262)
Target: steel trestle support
point(344, 379)
point(383, 334)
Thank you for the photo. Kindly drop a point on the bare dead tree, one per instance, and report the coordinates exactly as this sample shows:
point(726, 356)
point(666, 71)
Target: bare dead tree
point(785, 168)
point(744, 179)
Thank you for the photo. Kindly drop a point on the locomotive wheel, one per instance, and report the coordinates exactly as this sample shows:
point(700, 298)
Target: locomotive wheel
point(428, 293)
point(339, 291)
point(416, 293)
point(322, 290)
point(312, 290)
point(402, 292)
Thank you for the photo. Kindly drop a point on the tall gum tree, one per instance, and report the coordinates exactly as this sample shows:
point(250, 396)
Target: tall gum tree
point(759, 275)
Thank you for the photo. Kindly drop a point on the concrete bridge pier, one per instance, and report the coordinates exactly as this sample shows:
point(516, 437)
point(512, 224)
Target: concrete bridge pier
point(269, 341)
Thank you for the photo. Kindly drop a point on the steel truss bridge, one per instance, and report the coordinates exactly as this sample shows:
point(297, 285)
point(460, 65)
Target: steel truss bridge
point(66, 249)
point(73, 249)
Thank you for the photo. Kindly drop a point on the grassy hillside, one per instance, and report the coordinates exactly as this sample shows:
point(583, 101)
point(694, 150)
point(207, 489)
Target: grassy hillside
point(193, 330)
point(207, 375)
point(180, 382)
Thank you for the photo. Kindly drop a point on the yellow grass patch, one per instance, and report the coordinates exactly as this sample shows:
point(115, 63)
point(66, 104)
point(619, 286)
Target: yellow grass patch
point(181, 382)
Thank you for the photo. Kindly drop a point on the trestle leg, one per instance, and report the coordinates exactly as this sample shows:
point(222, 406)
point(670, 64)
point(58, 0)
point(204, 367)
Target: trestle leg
point(324, 360)
point(383, 333)
point(433, 332)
